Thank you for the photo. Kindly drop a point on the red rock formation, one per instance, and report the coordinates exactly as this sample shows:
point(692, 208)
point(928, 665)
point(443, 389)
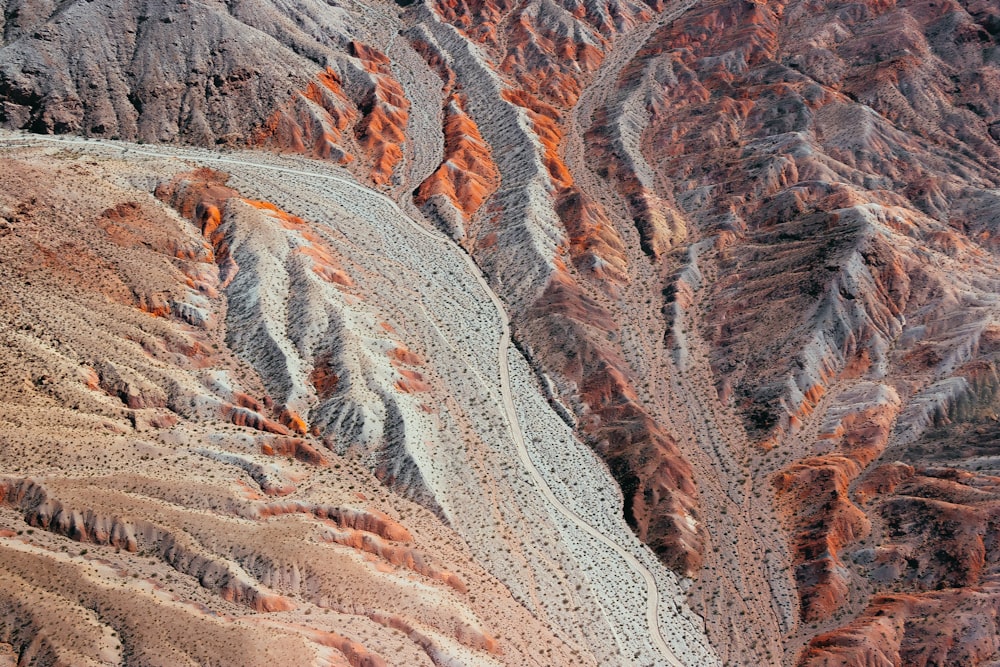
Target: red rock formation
point(947, 627)
point(936, 525)
point(595, 246)
point(313, 121)
point(135, 539)
point(594, 243)
point(660, 224)
point(825, 521)
point(411, 382)
point(955, 627)
point(323, 377)
point(476, 18)
point(201, 197)
point(293, 421)
point(402, 355)
point(369, 521)
point(882, 480)
point(381, 131)
point(357, 655)
point(549, 62)
point(660, 498)
point(43, 511)
point(406, 557)
point(250, 419)
point(318, 120)
point(296, 448)
point(127, 224)
point(813, 186)
point(464, 634)
point(815, 494)
point(325, 264)
point(288, 220)
point(545, 120)
point(467, 177)
point(248, 402)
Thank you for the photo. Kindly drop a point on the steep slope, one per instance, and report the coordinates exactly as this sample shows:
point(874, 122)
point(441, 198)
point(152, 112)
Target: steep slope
point(293, 77)
point(309, 79)
point(746, 251)
point(837, 186)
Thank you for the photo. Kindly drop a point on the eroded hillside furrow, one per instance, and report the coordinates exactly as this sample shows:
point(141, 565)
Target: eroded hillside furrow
point(500, 332)
point(528, 492)
point(528, 232)
point(180, 508)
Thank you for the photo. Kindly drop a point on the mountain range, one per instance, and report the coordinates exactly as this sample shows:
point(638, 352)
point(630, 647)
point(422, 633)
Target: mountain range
point(496, 332)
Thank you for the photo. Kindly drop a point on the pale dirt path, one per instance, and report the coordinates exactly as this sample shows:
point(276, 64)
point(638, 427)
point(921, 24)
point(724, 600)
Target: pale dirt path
point(653, 592)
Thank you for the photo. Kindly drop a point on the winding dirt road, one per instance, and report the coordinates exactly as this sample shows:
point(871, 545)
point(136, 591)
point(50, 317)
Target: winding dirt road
point(653, 593)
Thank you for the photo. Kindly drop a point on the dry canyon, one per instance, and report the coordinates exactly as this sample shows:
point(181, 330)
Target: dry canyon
point(500, 332)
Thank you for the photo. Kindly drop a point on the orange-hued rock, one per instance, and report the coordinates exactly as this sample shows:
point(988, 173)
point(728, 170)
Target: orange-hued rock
point(825, 520)
point(467, 176)
point(297, 448)
point(325, 266)
point(257, 602)
point(325, 121)
point(288, 220)
point(411, 382)
point(324, 263)
point(548, 50)
point(130, 389)
point(943, 519)
point(313, 121)
point(201, 197)
point(882, 480)
point(936, 525)
point(402, 355)
point(43, 511)
point(356, 653)
point(369, 521)
point(247, 401)
point(549, 62)
point(660, 223)
point(382, 130)
point(128, 224)
point(954, 627)
point(661, 501)
point(545, 120)
point(595, 245)
point(749, 250)
point(293, 421)
point(464, 634)
point(400, 556)
point(476, 18)
point(324, 377)
point(728, 71)
point(137, 449)
point(815, 496)
point(144, 421)
point(251, 419)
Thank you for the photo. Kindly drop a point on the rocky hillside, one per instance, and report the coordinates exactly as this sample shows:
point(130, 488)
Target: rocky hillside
point(598, 332)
